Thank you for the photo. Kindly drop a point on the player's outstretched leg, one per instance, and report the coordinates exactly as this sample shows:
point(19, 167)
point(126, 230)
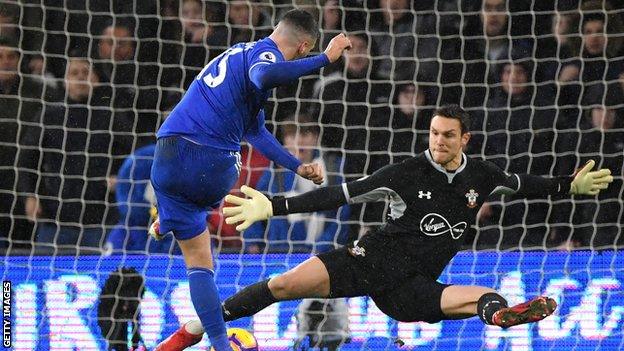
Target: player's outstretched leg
point(309, 279)
point(527, 312)
point(204, 294)
point(188, 335)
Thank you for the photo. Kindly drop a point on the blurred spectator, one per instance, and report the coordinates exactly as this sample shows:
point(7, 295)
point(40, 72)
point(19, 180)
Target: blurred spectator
point(401, 129)
point(331, 25)
point(410, 121)
point(556, 52)
point(135, 202)
point(316, 232)
point(394, 40)
point(68, 194)
point(21, 101)
point(601, 61)
point(38, 71)
point(331, 21)
point(248, 21)
point(200, 33)
point(9, 21)
point(115, 67)
point(516, 134)
point(312, 7)
point(350, 103)
point(488, 49)
point(495, 19)
point(353, 106)
point(132, 85)
point(512, 119)
point(340, 16)
point(595, 70)
point(116, 54)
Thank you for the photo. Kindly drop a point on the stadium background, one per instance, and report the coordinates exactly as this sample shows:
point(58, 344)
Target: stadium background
point(83, 85)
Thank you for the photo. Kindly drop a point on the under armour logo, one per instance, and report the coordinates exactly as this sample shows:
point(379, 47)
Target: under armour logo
point(422, 194)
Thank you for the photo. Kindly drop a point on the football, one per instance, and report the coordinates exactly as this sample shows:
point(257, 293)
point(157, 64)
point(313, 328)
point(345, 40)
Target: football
point(241, 340)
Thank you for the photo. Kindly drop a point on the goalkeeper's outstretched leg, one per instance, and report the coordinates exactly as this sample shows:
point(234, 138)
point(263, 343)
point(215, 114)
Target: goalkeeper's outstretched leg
point(460, 302)
point(531, 311)
point(339, 274)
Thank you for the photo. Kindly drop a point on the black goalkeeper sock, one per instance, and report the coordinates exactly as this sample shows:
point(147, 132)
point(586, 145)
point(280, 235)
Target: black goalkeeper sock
point(488, 305)
point(248, 301)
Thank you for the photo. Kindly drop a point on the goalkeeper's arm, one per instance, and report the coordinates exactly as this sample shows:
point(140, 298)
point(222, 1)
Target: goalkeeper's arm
point(583, 182)
point(258, 207)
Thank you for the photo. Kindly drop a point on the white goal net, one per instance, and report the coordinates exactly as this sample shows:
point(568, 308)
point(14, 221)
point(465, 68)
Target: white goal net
point(84, 85)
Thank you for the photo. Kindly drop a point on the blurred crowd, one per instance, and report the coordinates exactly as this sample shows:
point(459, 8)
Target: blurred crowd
point(85, 85)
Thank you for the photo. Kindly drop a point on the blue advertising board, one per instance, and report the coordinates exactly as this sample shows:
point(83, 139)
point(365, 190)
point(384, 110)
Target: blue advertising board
point(53, 302)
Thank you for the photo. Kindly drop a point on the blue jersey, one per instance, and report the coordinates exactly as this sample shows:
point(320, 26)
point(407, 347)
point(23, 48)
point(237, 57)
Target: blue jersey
point(222, 103)
point(222, 106)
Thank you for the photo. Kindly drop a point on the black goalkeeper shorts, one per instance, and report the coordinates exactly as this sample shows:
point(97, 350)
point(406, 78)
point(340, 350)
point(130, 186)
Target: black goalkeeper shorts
point(402, 293)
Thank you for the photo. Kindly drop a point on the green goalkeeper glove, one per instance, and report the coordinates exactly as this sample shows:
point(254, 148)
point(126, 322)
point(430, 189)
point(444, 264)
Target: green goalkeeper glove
point(590, 183)
point(257, 208)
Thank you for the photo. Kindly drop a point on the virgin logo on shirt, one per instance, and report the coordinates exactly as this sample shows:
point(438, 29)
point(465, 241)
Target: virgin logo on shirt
point(434, 224)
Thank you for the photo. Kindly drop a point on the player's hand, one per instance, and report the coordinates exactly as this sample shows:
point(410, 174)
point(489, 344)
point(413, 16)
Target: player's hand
point(257, 208)
point(312, 171)
point(590, 183)
point(336, 46)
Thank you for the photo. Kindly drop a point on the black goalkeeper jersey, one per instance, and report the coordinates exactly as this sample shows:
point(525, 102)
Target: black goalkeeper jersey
point(430, 208)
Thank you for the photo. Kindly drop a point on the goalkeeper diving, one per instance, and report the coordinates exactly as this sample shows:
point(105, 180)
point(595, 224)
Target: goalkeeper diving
point(434, 197)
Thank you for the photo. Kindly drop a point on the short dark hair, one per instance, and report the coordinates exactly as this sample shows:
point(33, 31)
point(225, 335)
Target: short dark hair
point(455, 112)
point(593, 16)
point(303, 21)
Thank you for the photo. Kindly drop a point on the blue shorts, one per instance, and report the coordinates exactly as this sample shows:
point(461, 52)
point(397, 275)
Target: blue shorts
point(188, 180)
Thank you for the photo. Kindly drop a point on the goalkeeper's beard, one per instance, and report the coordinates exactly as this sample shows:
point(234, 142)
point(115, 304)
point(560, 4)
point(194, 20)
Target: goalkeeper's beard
point(452, 161)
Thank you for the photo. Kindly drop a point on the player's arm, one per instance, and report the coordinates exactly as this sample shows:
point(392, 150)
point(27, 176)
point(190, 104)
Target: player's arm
point(269, 146)
point(258, 207)
point(267, 73)
point(584, 182)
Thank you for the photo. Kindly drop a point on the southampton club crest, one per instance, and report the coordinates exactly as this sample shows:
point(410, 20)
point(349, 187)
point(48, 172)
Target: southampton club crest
point(472, 196)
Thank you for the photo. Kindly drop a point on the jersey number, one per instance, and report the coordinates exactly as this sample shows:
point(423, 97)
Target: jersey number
point(214, 81)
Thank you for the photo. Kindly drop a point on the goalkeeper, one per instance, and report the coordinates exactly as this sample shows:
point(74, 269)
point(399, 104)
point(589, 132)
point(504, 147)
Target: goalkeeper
point(197, 160)
point(434, 197)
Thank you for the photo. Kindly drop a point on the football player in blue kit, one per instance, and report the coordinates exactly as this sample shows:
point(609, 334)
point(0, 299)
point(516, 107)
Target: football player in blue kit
point(197, 160)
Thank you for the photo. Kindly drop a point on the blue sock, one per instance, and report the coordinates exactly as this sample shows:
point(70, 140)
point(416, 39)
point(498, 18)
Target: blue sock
point(208, 306)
